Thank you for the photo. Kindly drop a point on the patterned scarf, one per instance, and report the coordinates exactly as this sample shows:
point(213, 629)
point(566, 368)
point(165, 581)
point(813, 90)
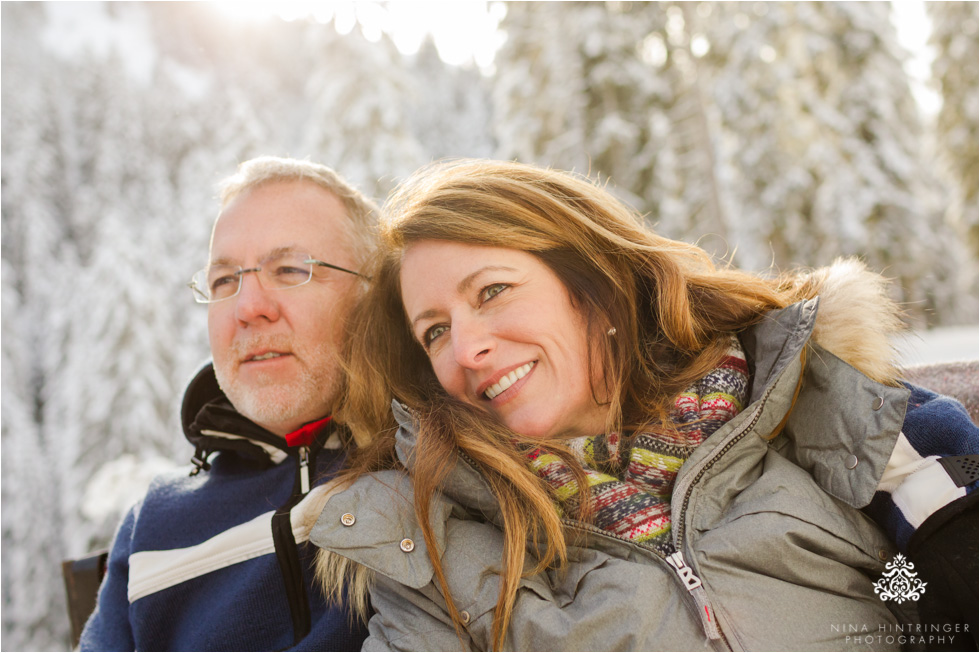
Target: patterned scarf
point(632, 476)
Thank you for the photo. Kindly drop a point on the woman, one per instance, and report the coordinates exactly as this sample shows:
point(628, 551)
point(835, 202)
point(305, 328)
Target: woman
point(600, 440)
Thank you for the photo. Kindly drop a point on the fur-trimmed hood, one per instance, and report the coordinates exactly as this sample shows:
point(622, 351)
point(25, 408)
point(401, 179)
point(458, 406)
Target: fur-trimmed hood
point(856, 320)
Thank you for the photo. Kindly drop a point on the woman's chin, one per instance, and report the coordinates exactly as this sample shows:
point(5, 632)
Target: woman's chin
point(531, 430)
point(542, 431)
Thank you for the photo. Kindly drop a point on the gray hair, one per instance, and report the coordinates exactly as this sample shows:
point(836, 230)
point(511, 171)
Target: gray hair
point(361, 210)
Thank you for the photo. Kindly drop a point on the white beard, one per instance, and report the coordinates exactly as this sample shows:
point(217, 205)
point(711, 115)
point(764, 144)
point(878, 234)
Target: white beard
point(277, 405)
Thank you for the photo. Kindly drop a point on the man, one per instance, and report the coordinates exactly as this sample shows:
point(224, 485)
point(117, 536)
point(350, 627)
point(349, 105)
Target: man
point(219, 559)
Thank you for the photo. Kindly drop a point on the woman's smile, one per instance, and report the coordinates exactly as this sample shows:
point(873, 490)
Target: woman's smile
point(507, 381)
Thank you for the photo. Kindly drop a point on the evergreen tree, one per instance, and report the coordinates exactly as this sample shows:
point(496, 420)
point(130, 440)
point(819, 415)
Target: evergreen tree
point(615, 93)
point(825, 145)
point(357, 121)
point(539, 88)
point(35, 270)
point(452, 116)
point(955, 37)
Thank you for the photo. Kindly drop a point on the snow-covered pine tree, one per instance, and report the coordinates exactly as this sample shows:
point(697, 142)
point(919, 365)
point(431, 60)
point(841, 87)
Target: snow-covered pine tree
point(451, 115)
point(357, 120)
point(539, 87)
point(687, 195)
point(955, 38)
point(36, 269)
point(609, 93)
point(825, 145)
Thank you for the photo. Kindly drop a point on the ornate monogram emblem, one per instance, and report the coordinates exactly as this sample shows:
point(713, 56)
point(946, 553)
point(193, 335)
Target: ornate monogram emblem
point(900, 582)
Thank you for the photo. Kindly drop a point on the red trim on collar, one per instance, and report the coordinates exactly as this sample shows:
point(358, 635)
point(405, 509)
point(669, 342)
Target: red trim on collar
point(304, 435)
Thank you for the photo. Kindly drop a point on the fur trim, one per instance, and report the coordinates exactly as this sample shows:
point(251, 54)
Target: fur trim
point(856, 319)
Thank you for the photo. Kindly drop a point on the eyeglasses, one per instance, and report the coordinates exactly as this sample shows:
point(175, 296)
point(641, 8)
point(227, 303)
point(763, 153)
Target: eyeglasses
point(278, 271)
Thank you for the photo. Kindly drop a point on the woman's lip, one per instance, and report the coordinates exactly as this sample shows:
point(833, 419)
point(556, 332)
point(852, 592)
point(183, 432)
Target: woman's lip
point(510, 392)
point(482, 388)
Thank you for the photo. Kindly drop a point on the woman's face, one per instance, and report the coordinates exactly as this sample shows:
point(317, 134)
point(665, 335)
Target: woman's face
point(502, 334)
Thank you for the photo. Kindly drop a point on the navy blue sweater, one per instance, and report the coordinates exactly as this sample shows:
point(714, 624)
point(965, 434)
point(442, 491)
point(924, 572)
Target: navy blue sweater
point(220, 560)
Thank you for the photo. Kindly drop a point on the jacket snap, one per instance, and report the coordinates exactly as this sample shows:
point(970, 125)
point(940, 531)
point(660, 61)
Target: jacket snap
point(878, 403)
point(347, 519)
point(465, 616)
point(407, 545)
point(851, 462)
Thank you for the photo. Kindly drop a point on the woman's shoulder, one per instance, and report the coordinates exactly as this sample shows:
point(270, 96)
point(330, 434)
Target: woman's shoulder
point(373, 522)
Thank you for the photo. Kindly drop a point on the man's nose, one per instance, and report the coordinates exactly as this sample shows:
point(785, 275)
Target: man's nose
point(254, 302)
point(472, 341)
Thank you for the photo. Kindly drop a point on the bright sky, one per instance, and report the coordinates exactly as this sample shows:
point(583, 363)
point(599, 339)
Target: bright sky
point(912, 26)
point(463, 30)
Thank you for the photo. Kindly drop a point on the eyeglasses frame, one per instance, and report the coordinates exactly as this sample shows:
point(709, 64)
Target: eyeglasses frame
point(243, 271)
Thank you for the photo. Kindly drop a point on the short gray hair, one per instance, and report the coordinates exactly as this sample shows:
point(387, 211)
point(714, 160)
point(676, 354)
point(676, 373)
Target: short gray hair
point(362, 210)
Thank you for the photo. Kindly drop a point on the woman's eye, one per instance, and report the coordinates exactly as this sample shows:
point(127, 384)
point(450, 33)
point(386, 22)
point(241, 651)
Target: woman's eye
point(433, 333)
point(492, 291)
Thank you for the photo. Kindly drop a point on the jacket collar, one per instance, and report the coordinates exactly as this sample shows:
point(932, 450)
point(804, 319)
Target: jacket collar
point(464, 484)
point(212, 424)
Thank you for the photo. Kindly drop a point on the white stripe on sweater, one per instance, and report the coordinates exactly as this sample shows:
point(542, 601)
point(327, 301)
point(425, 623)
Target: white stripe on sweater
point(275, 454)
point(918, 486)
point(153, 571)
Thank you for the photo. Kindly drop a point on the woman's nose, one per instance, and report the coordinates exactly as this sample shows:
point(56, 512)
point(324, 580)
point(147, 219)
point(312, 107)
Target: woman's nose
point(472, 341)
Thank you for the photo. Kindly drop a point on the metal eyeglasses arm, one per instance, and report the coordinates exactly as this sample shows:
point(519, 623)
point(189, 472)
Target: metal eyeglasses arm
point(336, 267)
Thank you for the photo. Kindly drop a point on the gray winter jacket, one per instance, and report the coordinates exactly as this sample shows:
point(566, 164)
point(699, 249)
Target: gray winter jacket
point(774, 553)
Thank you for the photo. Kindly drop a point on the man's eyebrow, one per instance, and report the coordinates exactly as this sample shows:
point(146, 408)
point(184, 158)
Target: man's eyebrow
point(462, 287)
point(278, 251)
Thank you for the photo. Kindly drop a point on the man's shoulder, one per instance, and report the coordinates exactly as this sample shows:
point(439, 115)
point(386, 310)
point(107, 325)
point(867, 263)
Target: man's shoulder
point(176, 481)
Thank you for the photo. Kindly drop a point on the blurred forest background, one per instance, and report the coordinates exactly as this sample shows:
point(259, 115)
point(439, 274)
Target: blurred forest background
point(774, 134)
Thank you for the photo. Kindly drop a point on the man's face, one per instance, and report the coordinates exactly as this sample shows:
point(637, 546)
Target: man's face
point(275, 350)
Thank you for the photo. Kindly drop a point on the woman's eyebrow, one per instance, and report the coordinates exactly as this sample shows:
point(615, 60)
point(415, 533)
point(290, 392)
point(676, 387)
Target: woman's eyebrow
point(467, 281)
point(424, 315)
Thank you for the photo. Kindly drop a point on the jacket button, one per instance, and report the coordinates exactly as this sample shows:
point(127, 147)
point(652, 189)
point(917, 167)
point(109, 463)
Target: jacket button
point(347, 519)
point(883, 555)
point(406, 545)
point(851, 462)
point(465, 616)
point(878, 403)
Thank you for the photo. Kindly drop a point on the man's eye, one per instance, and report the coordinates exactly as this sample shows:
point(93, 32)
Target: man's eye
point(434, 332)
point(223, 280)
point(286, 271)
point(492, 291)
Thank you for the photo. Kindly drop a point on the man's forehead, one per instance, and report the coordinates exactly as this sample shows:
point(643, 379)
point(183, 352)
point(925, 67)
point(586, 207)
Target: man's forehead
point(290, 215)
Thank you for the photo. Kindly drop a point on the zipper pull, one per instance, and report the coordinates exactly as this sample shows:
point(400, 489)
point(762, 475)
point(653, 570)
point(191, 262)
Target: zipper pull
point(686, 574)
point(693, 584)
point(304, 470)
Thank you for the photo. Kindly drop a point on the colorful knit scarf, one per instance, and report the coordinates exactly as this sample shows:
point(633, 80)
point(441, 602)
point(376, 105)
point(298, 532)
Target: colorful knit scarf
point(632, 476)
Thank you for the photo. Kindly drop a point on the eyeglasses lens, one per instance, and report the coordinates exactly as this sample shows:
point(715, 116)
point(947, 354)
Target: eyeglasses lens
point(218, 282)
